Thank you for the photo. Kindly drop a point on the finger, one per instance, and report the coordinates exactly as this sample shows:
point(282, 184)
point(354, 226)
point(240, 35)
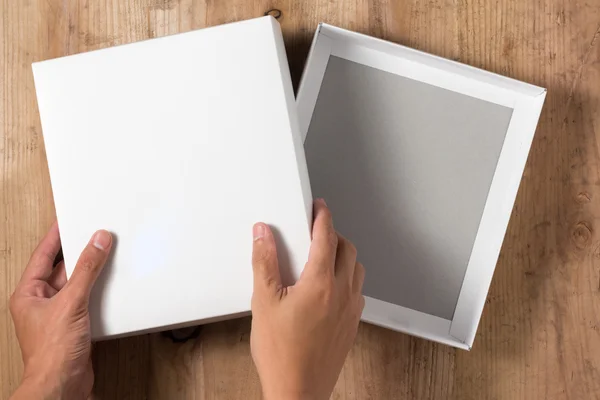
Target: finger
point(345, 260)
point(359, 278)
point(41, 261)
point(58, 278)
point(323, 248)
point(267, 278)
point(88, 267)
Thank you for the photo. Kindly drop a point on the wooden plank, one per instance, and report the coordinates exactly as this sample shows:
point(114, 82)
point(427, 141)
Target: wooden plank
point(540, 332)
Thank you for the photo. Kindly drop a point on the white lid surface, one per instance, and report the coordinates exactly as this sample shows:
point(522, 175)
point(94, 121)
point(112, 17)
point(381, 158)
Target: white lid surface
point(177, 145)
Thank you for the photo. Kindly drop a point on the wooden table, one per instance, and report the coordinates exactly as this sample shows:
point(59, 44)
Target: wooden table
point(540, 333)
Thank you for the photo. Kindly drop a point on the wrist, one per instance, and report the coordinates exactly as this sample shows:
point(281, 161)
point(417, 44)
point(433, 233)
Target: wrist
point(33, 390)
point(38, 386)
point(289, 392)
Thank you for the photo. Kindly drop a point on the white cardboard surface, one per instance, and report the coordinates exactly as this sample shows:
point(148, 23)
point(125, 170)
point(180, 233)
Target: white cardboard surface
point(360, 129)
point(177, 145)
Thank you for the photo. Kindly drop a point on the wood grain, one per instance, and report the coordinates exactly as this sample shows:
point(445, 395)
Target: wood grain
point(540, 333)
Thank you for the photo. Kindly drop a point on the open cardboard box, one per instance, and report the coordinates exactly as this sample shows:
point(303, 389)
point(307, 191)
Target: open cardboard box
point(179, 144)
point(420, 160)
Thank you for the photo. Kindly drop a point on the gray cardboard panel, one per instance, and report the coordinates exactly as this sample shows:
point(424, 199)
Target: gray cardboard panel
point(406, 168)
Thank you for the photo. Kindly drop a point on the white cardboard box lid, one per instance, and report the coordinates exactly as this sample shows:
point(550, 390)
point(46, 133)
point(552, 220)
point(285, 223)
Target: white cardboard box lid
point(177, 145)
point(420, 159)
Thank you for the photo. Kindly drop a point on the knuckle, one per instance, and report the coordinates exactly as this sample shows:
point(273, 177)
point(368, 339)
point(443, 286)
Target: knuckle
point(261, 259)
point(326, 298)
point(326, 291)
point(87, 264)
point(271, 282)
point(39, 288)
point(346, 297)
point(262, 254)
point(90, 259)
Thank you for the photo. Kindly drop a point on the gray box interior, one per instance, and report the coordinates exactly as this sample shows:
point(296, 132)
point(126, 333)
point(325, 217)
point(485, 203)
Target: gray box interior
point(406, 168)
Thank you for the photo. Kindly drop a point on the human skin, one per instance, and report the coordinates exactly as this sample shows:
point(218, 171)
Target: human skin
point(300, 335)
point(52, 322)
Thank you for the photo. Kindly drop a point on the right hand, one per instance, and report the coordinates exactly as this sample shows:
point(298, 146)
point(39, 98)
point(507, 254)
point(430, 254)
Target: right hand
point(301, 334)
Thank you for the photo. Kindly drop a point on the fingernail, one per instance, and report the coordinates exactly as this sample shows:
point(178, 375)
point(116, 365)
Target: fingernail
point(258, 231)
point(101, 240)
point(322, 200)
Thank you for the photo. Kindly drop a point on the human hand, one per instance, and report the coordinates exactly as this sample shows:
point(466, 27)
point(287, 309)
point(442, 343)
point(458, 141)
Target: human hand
point(52, 323)
point(301, 334)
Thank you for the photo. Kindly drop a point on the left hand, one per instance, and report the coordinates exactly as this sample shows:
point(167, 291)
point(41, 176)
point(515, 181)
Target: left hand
point(52, 323)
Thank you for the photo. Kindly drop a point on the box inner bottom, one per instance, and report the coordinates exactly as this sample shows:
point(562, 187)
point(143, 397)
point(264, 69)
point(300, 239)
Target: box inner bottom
point(406, 168)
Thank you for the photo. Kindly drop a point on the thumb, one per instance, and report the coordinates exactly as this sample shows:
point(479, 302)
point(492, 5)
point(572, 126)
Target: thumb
point(264, 260)
point(88, 267)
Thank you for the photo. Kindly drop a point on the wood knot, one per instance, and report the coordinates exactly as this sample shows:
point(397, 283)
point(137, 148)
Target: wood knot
point(275, 13)
point(582, 235)
point(583, 197)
